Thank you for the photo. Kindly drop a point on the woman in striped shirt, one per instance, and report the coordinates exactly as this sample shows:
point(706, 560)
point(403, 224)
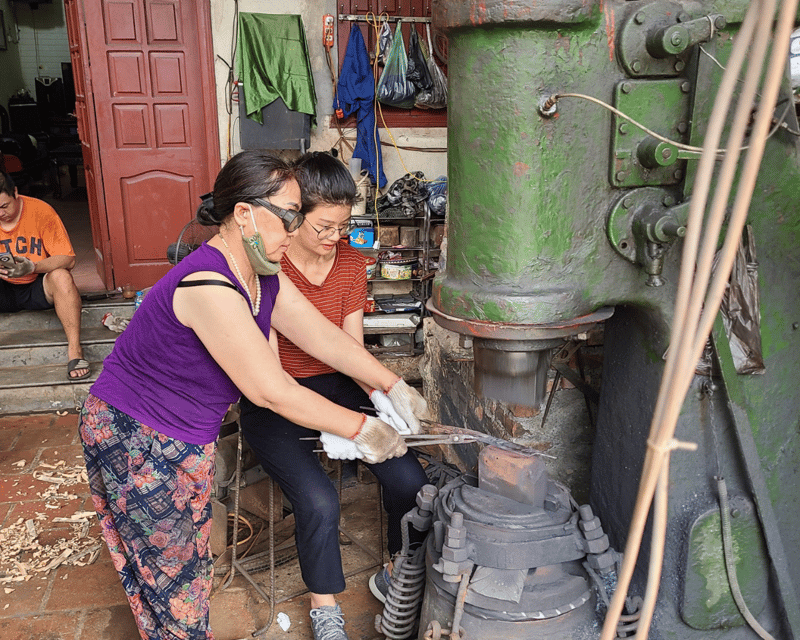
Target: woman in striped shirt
point(332, 275)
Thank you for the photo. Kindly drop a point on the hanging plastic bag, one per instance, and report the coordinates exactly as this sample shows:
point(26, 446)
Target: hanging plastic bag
point(418, 71)
point(394, 88)
point(384, 43)
point(436, 96)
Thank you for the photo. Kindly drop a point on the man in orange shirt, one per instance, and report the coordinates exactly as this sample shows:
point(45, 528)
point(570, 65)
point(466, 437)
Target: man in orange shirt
point(36, 257)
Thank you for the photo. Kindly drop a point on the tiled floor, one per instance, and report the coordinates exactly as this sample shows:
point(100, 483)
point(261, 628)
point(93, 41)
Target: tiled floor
point(88, 603)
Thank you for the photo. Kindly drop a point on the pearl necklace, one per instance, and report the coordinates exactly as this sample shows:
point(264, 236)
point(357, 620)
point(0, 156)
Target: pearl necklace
point(257, 306)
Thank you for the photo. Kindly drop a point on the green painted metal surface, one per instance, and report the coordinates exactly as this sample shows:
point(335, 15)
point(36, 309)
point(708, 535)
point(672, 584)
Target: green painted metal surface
point(528, 243)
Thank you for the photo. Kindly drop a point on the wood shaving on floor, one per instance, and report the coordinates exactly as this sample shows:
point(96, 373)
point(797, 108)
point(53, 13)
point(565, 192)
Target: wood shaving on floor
point(22, 556)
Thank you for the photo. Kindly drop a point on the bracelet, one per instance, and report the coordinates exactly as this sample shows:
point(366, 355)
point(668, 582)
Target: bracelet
point(389, 389)
point(360, 427)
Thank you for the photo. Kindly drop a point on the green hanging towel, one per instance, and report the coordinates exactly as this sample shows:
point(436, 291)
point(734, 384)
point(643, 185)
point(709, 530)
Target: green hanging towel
point(272, 62)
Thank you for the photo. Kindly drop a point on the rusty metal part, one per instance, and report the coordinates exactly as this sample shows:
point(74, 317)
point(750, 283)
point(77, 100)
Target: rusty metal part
point(544, 332)
point(511, 361)
point(472, 13)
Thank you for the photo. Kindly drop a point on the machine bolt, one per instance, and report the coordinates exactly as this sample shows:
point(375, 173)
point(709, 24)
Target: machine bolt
point(626, 87)
point(686, 87)
point(666, 153)
point(720, 22)
point(639, 17)
point(457, 519)
point(675, 39)
point(627, 202)
point(620, 176)
point(678, 174)
point(668, 201)
point(585, 510)
point(795, 326)
point(624, 128)
point(682, 127)
point(735, 513)
point(636, 66)
point(683, 17)
point(679, 65)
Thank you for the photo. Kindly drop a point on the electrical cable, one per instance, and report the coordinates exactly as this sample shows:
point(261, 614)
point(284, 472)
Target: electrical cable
point(681, 356)
point(730, 562)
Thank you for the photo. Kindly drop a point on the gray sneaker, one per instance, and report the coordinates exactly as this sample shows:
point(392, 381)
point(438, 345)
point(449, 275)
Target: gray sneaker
point(379, 584)
point(328, 623)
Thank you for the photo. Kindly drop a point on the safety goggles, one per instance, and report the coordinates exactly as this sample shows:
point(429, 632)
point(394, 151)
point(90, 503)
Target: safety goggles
point(291, 219)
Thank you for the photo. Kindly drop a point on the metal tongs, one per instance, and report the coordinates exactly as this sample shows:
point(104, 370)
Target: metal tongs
point(447, 434)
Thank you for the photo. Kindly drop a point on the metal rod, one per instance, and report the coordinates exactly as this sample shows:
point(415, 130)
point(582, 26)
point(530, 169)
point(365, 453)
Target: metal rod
point(357, 18)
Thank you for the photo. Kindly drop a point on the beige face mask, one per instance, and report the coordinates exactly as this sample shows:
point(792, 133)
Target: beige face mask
point(256, 253)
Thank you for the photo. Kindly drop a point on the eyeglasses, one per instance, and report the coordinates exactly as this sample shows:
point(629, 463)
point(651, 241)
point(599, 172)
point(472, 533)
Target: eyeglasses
point(326, 232)
point(291, 219)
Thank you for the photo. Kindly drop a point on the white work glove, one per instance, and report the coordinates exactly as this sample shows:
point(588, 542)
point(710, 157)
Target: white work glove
point(387, 412)
point(378, 441)
point(339, 448)
point(21, 266)
point(409, 404)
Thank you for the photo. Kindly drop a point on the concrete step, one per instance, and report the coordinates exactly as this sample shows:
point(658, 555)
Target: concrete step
point(42, 388)
point(33, 357)
point(91, 316)
point(33, 347)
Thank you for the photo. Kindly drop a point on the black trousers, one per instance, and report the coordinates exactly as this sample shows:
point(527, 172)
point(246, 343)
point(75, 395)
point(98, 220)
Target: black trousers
point(293, 464)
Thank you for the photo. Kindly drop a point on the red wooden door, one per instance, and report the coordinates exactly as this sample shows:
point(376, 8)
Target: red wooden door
point(84, 110)
point(156, 141)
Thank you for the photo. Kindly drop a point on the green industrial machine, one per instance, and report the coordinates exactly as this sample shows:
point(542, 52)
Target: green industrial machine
point(563, 214)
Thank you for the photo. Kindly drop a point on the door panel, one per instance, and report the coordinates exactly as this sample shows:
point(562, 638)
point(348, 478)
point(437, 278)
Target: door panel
point(87, 132)
point(152, 84)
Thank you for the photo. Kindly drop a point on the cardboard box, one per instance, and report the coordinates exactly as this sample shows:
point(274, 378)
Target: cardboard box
point(409, 236)
point(389, 235)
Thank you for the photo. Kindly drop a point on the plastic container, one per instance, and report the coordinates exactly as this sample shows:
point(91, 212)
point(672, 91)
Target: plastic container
point(362, 238)
point(138, 300)
point(372, 268)
point(397, 269)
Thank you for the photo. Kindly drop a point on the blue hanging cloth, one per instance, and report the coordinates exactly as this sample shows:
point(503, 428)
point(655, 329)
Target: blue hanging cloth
point(355, 93)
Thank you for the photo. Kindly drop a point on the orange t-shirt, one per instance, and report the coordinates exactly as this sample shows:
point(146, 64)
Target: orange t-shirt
point(39, 234)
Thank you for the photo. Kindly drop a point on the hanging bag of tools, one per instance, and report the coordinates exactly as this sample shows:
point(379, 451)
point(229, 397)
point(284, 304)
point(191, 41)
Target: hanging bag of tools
point(436, 96)
point(418, 72)
point(394, 88)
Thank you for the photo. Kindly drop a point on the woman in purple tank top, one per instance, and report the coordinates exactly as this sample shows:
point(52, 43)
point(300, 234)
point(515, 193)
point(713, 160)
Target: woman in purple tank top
point(204, 336)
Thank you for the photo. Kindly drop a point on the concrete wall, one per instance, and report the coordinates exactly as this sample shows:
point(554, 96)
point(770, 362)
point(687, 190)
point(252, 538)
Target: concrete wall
point(323, 137)
point(11, 77)
point(43, 43)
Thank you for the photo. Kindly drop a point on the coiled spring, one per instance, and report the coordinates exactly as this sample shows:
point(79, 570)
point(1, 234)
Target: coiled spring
point(406, 589)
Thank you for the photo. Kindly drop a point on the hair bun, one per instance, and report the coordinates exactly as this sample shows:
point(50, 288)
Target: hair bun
point(206, 213)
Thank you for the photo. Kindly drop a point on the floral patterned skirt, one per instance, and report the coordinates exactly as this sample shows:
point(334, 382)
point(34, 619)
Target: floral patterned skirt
point(151, 493)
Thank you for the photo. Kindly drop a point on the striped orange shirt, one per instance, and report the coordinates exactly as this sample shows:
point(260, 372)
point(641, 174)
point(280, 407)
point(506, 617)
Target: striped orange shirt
point(343, 292)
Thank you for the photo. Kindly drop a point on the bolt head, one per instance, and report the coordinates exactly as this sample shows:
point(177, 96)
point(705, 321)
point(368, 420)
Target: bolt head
point(636, 66)
point(627, 202)
point(795, 326)
point(624, 128)
point(678, 174)
point(639, 17)
point(720, 22)
point(668, 201)
point(666, 153)
point(679, 65)
point(675, 39)
point(686, 87)
point(683, 17)
point(626, 87)
point(682, 127)
point(620, 176)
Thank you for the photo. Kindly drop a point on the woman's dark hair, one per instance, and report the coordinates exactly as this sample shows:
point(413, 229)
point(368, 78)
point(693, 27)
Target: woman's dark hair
point(7, 184)
point(246, 176)
point(324, 180)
